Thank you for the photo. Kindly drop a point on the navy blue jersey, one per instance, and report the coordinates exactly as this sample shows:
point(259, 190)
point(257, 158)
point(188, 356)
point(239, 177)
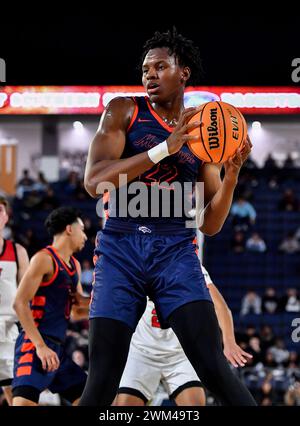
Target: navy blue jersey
point(145, 131)
point(51, 305)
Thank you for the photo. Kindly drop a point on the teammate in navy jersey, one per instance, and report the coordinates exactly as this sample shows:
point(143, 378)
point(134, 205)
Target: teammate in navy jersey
point(43, 304)
point(150, 254)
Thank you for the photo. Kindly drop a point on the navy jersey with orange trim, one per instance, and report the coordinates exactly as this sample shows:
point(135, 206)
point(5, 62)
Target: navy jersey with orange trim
point(51, 305)
point(145, 131)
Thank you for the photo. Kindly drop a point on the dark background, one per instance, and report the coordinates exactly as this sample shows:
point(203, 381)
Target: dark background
point(95, 49)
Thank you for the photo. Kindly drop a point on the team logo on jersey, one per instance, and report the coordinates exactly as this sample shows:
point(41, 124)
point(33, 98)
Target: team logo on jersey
point(144, 229)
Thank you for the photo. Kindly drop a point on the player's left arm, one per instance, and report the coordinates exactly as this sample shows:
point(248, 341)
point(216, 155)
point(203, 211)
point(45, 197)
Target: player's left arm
point(80, 307)
point(218, 194)
point(235, 355)
point(23, 261)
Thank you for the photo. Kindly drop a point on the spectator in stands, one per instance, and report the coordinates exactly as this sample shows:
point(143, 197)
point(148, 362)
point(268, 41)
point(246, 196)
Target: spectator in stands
point(269, 361)
point(292, 396)
point(289, 244)
point(87, 276)
point(79, 358)
point(290, 302)
point(279, 351)
point(289, 202)
point(292, 363)
point(71, 183)
point(289, 162)
point(255, 350)
point(270, 301)
point(270, 163)
point(243, 214)
point(24, 185)
point(41, 184)
point(256, 243)
point(49, 200)
point(251, 303)
point(89, 228)
point(267, 337)
point(30, 242)
point(238, 242)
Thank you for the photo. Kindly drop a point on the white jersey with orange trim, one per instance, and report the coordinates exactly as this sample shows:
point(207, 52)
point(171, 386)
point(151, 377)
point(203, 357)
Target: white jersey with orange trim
point(8, 328)
point(150, 338)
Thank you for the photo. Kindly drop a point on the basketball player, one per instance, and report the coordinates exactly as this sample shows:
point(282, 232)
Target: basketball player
point(145, 139)
point(51, 286)
point(156, 355)
point(13, 264)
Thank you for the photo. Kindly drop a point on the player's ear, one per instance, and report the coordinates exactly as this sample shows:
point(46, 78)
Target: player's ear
point(69, 229)
point(185, 74)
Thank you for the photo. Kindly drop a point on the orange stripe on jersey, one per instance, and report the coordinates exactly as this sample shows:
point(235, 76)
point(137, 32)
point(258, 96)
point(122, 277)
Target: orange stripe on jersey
point(37, 313)
point(45, 283)
point(39, 301)
point(135, 113)
point(26, 358)
point(67, 268)
point(27, 347)
point(24, 371)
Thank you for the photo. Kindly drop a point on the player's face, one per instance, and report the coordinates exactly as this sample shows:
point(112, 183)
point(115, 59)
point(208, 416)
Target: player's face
point(3, 217)
point(78, 235)
point(162, 76)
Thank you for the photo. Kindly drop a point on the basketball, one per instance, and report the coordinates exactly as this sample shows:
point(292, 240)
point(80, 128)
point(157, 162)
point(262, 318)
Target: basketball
point(222, 131)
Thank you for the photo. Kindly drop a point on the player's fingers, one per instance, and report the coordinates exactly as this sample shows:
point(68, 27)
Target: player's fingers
point(56, 361)
point(191, 126)
point(188, 114)
point(49, 364)
point(190, 138)
point(232, 361)
point(44, 363)
point(239, 360)
point(247, 355)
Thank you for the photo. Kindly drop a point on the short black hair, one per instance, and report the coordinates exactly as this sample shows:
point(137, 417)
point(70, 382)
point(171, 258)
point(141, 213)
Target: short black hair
point(58, 220)
point(185, 51)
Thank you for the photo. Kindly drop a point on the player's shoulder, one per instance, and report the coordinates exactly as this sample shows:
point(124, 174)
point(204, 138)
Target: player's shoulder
point(21, 250)
point(121, 103)
point(43, 258)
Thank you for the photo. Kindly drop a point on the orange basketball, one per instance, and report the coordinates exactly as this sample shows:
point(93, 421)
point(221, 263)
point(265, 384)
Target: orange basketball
point(221, 133)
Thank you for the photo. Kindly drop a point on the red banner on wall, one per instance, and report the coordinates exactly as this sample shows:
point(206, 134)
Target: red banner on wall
point(93, 99)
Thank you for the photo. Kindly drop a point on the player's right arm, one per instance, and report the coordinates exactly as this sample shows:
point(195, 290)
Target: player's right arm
point(40, 269)
point(104, 163)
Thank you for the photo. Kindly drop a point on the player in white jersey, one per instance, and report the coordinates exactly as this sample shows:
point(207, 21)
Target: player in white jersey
point(13, 264)
point(156, 356)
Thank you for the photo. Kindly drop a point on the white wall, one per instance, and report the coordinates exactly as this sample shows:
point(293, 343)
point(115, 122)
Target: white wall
point(74, 140)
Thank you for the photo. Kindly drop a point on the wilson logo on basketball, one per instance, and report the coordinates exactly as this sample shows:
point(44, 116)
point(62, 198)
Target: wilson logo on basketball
point(213, 133)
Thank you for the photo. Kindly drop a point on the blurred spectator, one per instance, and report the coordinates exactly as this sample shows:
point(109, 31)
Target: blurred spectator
point(267, 337)
point(288, 162)
point(288, 202)
point(269, 361)
point(41, 184)
point(256, 243)
point(49, 200)
point(71, 183)
point(292, 396)
point(290, 302)
point(290, 244)
point(279, 351)
point(24, 185)
point(270, 163)
point(30, 242)
point(89, 228)
point(255, 350)
point(79, 358)
point(87, 276)
point(270, 301)
point(238, 242)
point(251, 303)
point(243, 214)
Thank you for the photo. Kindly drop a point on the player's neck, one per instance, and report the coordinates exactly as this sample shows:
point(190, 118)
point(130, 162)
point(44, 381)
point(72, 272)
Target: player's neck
point(171, 109)
point(63, 249)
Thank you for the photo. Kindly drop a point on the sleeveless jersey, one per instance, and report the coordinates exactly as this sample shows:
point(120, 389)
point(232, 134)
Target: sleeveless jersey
point(52, 303)
point(145, 131)
point(8, 281)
